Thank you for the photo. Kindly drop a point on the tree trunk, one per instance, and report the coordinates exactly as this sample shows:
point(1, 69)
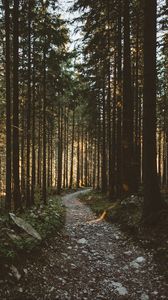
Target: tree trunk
point(72, 149)
point(128, 176)
point(44, 191)
point(86, 160)
point(8, 107)
point(33, 170)
point(16, 183)
point(39, 144)
point(152, 197)
point(82, 157)
point(67, 149)
point(113, 137)
point(78, 158)
point(60, 129)
point(28, 107)
point(119, 104)
point(104, 158)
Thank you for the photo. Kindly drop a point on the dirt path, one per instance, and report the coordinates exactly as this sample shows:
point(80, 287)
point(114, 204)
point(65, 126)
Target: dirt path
point(91, 260)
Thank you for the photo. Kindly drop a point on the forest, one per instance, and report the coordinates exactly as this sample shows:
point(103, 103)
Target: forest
point(83, 135)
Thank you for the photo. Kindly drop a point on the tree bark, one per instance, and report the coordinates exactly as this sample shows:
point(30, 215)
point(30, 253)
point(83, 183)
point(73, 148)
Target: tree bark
point(28, 107)
point(8, 106)
point(33, 170)
point(44, 191)
point(152, 197)
point(119, 103)
point(104, 158)
point(60, 130)
point(128, 175)
point(16, 181)
point(72, 149)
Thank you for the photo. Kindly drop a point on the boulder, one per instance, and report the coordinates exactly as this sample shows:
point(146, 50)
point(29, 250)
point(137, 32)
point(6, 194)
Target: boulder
point(25, 226)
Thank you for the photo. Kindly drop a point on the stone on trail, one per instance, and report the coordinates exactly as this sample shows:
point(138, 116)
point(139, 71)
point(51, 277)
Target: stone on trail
point(144, 297)
point(25, 271)
point(82, 241)
point(128, 253)
point(140, 259)
point(134, 264)
point(122, 291)
point(15, 272)
point(25, 226)
point(20, 290)
point(111, 256)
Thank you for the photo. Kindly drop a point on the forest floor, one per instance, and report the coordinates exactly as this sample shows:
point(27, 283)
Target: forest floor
point(90, 260)
point(127, 213)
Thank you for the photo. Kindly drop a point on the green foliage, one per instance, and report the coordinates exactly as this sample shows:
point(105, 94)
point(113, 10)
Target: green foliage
point(37, 195)
point(47, 220)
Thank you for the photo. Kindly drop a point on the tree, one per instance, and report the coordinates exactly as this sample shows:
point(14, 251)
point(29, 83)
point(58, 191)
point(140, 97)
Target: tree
point(28, 198)
point(128, 175)
point(152, 196)
point(8, 107)
point(16, 179)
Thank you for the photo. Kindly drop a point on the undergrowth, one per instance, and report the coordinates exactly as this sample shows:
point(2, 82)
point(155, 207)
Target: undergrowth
point(47, 220)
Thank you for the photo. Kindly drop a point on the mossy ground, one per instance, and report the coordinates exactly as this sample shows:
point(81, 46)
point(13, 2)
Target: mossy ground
point(127, 213)
point(47, 219)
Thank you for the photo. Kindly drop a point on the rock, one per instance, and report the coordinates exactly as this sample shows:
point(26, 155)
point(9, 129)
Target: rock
point(110, 256)
point(122, 291)
point(25, 226)
point(144, 297)
point(155, 293)
point(128, 253)
point(134, 264)
point(116, 237)
point(84, 252)
point(140, 259)
point(82, 241)
point(15, 272)
point(73, 266)
point(25, 271)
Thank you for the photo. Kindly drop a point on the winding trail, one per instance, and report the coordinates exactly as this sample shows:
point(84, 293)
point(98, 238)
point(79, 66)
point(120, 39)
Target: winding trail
point(92, 260)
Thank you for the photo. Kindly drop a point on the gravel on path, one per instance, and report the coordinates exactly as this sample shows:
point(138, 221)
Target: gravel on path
point(90, 260)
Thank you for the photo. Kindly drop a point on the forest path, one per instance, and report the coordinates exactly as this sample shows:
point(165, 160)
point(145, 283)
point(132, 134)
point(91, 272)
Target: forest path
point(91, 260)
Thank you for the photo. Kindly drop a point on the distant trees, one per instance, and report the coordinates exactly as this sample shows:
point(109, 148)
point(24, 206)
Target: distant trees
point(119, 48)
point(47, 147)
point(95, 123)
point(38, 97)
